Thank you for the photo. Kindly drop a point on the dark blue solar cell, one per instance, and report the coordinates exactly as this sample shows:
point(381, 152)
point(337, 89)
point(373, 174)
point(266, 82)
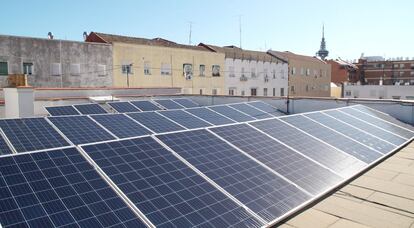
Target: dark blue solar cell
point(90, 109)
point(231, 113)
point(121, 125)
point(251, 111)
point(31, 134)
point(354, 133)
point(123, 107)
point(145, 105)
point(185, 119)
point(169, 104)
point(80, 129)
point(60, 201)
point(265, 107)
point(155, 122)
point(210, 116)
point(62, 111)
point(326, 155)
point(405, 133)
point(364, 126)
point(360, 151)
point(4, 147)
point(292, 165)
point(166, 190)
point(187, 103)
point(261, 190)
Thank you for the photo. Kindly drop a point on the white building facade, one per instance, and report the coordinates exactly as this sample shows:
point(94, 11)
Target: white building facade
point(397, 92)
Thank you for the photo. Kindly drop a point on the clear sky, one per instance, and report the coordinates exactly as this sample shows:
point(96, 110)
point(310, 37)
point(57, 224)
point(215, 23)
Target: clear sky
point(352, 27)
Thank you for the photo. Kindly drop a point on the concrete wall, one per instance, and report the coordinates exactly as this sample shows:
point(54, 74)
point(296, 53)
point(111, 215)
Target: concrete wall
point(155, 56)
point(44, 52)
point(403, 92)
point(277, 74)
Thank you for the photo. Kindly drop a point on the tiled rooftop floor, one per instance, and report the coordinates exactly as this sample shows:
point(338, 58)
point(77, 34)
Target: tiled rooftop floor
point(382, 197)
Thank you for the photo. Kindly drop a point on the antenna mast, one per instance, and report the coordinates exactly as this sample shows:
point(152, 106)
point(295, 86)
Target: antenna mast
point(189, 38)
point(240, 30)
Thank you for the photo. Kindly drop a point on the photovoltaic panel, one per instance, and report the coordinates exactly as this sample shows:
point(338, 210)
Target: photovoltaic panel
point(328, 156)
point(251, 111)
point(164, 188)
point(265, 107)
point(210, 116)
point(80, 129)
point(121, 126)
point(123, 107)
point(87, 109)
point(333, 138)
point(261, 190)
point(185, 119)
point(357, 123)
point(58, 188)
point(231, 113)
point(292, 165)
point(407, 134)
point(169, 104)
point(155, 122)
point(31, 134)
point(382, 116)
point(145, 105)
point(4, 147)
point(62, 111)
point(354, 133)
point(187, 103)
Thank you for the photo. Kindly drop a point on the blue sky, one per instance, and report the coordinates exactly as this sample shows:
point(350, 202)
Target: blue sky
point(351, 27)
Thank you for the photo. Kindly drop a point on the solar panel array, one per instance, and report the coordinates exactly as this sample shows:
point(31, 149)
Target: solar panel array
point(87, 109)
point(62, 111)
point(247, 174)
point(123, 107)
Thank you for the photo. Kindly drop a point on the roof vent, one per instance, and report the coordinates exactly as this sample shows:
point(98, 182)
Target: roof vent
point(50, 35)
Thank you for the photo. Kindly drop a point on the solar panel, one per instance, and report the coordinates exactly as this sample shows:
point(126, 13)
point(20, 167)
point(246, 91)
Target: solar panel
point(264, 192)
point(4, 147)
point(382, 116)
point(357, 123)
point(145, 105)
point(87, 109)
point(231, 113)
point(297, 168)
point(326, 155)
point(187, 103)
point(404, 133)
point(185, 119)
point(251, 111)
point(62, 111)
point(155, 122)
point(169, 104)
point(265, 107)
point(333, 138)
point(358, 135)
point(30, 134)
point(121, 125)
point(58, 188)
point(210, 116)
point(123, 107)
point(164, 188)
point(80, 129)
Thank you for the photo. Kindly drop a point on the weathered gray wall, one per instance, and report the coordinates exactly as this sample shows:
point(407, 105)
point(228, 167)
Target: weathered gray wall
point(43, 52)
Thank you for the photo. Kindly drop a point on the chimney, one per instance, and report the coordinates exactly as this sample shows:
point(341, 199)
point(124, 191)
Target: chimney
point(50, 35)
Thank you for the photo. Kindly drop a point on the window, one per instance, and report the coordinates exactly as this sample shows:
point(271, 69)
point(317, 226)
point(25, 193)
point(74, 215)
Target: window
point(101, 70)
point(215, 70)
point(293, 70)
point(147, 68)
point(402, 65)
point(395, 65)
point(202, 70)
point(401, 73)
point(4, 68)
point(201, 91)
point(165, 69)
point(188, 71)
point(315, 73)
point(214, 92)
point(302, 71)
point(292, 88)
point(242, 71)
point(28, 68)
point(307, 72)
point(232, 91)
point(127, 69)
point(282, 92)
point(348, 93)
point(265, 92)
point(253, 71)
point(282, 73)
point(274, 91)
point(274, 74)
point(253, 92)
point(75, 69)
point(307, 88)
point(412, 73)
point(55, 69)
point(265, 72)
point(242, 92)
point(231, 71)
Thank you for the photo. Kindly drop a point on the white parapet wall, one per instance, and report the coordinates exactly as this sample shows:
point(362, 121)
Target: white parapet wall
point(19, 102)
point(399, 92)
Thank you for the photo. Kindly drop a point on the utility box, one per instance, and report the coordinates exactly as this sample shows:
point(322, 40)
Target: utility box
point(19, 102)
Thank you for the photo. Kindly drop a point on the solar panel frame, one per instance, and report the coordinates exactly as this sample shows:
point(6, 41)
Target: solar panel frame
point(121, 125)
point(62, 110)
point(231, 113)
point(251, 111)
point(155, 122)
point(145, 105)
point(187, 103)
point(89, 108)
point(123, 107)
point(184, 119)
point(5, 145)
point(168, 104)
point(210, 116)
